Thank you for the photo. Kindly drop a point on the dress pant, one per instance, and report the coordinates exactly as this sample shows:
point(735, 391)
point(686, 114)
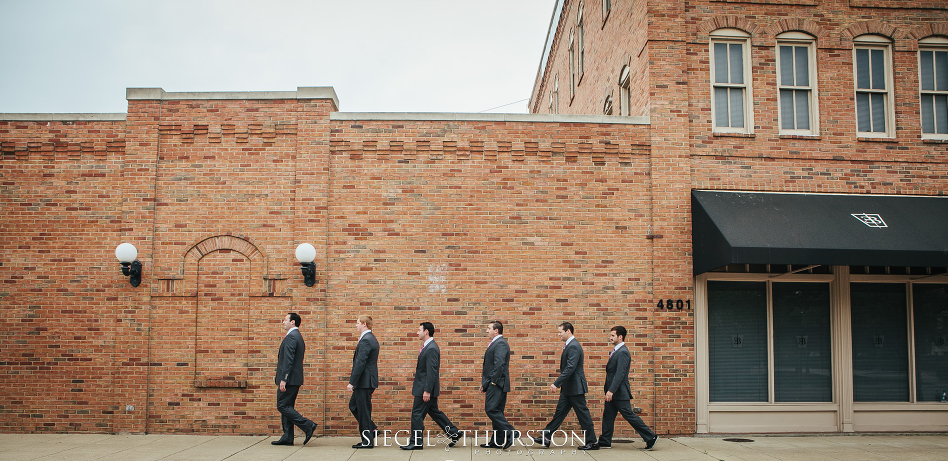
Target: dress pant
point(289, 416)
point(360, 404)
point(420, 409)
point(563, 406)
point(495, 400)
point(623, 407)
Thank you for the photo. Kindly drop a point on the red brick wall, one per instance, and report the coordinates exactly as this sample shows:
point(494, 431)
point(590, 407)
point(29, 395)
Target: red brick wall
point(458, 223)
point(461, 223)
point(60, 216)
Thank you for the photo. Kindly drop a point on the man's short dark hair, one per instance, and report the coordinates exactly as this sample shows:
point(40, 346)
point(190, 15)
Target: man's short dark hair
point(497, 326)
point(295, 318)
point(567, 326)
point(429, 327)
point(620, 331)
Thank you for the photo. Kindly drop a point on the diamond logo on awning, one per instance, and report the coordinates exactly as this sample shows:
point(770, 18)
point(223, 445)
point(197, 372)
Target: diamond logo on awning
point(870, 219)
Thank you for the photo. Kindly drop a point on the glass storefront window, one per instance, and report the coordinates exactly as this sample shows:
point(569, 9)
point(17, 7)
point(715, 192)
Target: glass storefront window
point(802, 344)
point(930, 309)
point(880, 342)
point(737, 331)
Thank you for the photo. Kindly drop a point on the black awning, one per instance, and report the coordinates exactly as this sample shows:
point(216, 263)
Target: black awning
point(805, 229)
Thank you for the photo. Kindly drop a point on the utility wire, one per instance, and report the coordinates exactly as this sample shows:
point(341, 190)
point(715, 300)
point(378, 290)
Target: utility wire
point(505, 105)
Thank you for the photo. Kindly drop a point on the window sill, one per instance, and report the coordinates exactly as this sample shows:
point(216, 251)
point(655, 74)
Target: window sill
point(876, 139)
point(935, 140)
point(799, 136)
point(724, 134)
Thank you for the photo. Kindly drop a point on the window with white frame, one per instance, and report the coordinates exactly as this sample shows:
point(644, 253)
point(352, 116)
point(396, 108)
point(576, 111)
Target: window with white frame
point(572, 66)
point(796, 84)
point(933, 86)
point(873, 78)
point(579, 48)
point(607, 105)
point(625, 101)
point(730, 81)
point(556, 94)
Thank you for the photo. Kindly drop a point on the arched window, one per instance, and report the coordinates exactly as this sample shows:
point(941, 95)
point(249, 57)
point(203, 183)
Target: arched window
point(796, 83)
point(933, 86)
point(730, 81)
point(873, 78)
point(625, 101)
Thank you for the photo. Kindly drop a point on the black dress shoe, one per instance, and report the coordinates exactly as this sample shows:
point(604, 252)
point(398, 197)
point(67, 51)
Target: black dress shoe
point(590, 446)
point(542, 441)
point(309, 434)
point(490, 445)
point(413, 447)
point(359, 445)
point(651, 443)
point(605, 445)
point(507, 444)
point(281, 442)
point(454, 438)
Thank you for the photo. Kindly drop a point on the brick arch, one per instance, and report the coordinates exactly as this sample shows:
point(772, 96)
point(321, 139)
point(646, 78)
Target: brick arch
point(729, 22)
point(798, 25)
point(874, 27)
point(912, 36)
point(205, 246)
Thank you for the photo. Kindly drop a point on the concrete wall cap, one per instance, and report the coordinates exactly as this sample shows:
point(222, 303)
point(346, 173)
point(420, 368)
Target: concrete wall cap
point(450, 116)
point(303, 92)
point(61, 117)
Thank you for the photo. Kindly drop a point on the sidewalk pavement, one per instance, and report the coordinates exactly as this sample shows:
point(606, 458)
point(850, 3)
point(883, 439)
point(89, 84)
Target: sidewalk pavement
point(704, 448)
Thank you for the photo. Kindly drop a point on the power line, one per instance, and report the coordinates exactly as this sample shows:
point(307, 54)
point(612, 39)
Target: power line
point(505, 105)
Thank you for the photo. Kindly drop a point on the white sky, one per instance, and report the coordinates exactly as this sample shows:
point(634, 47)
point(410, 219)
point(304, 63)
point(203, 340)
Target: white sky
point(379, 55)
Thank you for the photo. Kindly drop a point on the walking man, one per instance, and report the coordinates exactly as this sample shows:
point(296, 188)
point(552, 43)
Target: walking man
point(495, 384)
point(363, 380)
point(618, 393)
point(289, 378)
point(573, 388)
point(425, 389)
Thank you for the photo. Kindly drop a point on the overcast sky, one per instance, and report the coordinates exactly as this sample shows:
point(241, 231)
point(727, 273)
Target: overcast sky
point(379, 55)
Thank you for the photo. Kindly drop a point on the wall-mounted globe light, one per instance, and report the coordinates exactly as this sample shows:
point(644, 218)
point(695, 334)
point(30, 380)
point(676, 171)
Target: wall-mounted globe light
point(131, 268)
point(305, 254)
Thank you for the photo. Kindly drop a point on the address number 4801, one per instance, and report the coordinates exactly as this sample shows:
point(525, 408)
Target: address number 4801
point(674, 304)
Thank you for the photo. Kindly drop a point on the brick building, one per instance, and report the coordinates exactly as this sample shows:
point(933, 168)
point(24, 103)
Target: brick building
point(534, 219)
point(805, 318)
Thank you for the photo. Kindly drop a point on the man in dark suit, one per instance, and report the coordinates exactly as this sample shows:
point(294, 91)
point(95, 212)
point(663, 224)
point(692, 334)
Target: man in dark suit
point(425, 389)
point(289, 378)
point(363, 380)
point(618, 393)
point(573, 388)
point(495, 384)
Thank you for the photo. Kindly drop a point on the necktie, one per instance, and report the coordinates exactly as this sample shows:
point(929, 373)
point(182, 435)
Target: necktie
point(611, 352)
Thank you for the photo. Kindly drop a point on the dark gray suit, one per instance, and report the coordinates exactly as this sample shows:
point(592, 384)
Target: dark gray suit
point(290, 369)
point(427, 379)
point(573, 388)
point(617, 382)
point(364, 379)
point(495, 383)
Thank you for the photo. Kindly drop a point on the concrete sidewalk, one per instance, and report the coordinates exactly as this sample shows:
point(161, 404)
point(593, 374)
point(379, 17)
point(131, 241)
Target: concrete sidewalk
point(201, 447)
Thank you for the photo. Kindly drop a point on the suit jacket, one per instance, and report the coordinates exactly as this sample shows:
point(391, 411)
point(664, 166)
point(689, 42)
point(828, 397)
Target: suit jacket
point(290, 359)
point(365, 363)
point(496, 367)
point(572, 379)
point(427, 371)
point(617, 374)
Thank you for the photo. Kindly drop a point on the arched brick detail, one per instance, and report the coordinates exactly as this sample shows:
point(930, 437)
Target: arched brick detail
point(912, 36)
point(874, 27)
point(729, 22)
point(240, 244)
point(821, 34)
